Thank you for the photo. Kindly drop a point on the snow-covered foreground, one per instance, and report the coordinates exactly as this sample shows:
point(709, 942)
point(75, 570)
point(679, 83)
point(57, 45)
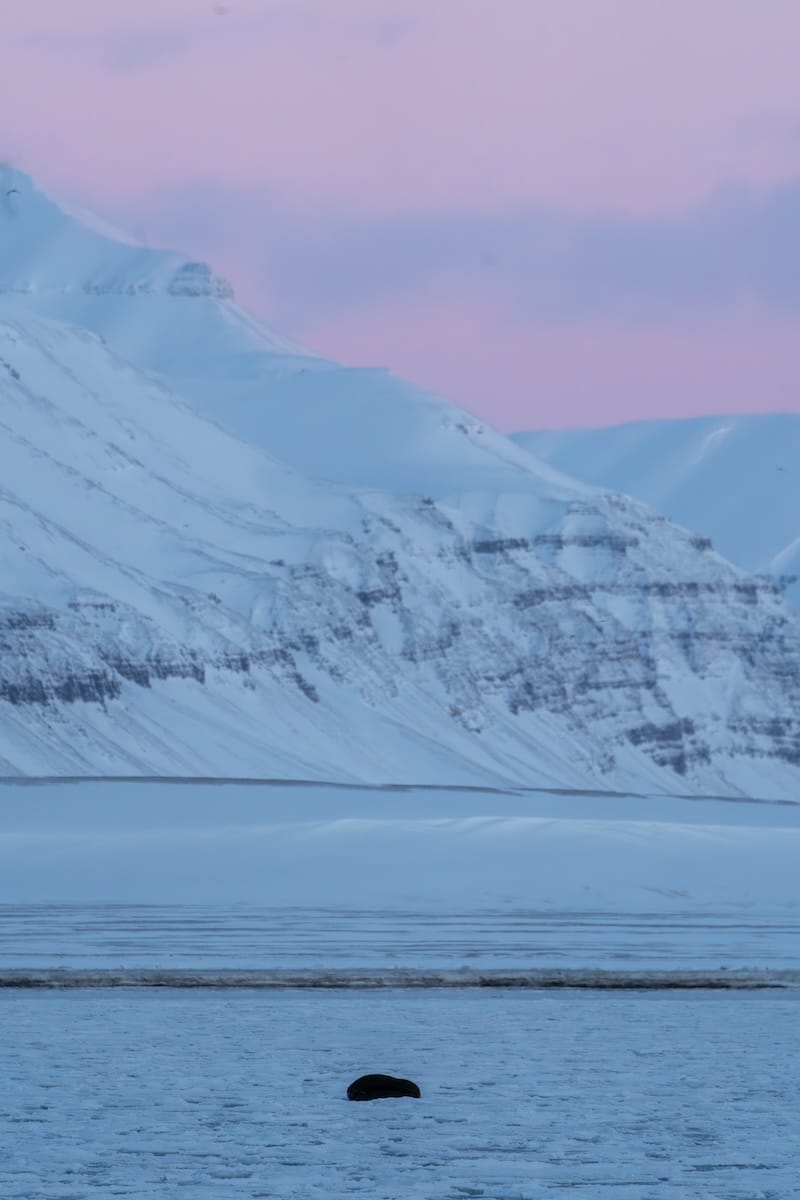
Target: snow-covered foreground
point(254, 877)
point(651, 1096)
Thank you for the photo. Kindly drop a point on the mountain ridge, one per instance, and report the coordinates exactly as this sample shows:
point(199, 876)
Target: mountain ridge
point(183, 603)
point(733, 477)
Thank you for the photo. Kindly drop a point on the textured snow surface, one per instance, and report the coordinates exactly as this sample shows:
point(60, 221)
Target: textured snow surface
point(734, 478)
point(657, 1096)
point(177, 600)
point(454, 946)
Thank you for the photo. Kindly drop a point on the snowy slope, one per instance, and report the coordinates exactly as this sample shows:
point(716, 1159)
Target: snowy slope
point(72, 267)
point(733, 478)
point(176, 601)
point(356, 426)
point(142, 546)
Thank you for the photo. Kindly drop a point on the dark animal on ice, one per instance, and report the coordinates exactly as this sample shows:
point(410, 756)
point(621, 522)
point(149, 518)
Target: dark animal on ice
point(381, 1087)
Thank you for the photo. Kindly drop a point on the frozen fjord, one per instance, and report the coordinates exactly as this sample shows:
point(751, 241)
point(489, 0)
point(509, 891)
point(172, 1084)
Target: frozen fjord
point(526, 1093)
point(659, 1096)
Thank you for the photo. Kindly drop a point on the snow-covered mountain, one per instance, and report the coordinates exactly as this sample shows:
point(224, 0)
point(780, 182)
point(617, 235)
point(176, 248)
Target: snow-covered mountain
point(176, 318)
point(174, 599)
point(734, 478)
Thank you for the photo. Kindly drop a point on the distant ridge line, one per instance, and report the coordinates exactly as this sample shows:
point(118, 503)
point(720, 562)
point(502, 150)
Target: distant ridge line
point(480, 789)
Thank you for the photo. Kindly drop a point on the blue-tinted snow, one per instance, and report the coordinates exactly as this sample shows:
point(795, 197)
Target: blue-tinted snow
point(223, 876)
point(154, 1095)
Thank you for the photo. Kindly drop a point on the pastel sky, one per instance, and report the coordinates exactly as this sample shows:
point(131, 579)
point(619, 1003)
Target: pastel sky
point(555, 212)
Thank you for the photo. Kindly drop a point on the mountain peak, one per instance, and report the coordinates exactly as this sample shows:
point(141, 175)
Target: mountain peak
point(357, 426)
point(49, 246)
point(62, 263)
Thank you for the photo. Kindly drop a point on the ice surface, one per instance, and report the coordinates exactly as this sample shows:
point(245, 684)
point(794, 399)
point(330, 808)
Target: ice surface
point(155, 1096)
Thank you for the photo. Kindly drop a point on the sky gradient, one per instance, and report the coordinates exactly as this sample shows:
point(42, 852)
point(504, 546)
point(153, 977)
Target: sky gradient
point(555, 212)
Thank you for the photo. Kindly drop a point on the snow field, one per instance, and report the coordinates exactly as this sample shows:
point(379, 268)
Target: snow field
point(370, 848)
point(158, 1095)
point(246, 945)
point(213, 877)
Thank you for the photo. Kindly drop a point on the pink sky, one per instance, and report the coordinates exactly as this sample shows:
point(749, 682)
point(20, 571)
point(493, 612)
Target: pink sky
point(448, 186)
